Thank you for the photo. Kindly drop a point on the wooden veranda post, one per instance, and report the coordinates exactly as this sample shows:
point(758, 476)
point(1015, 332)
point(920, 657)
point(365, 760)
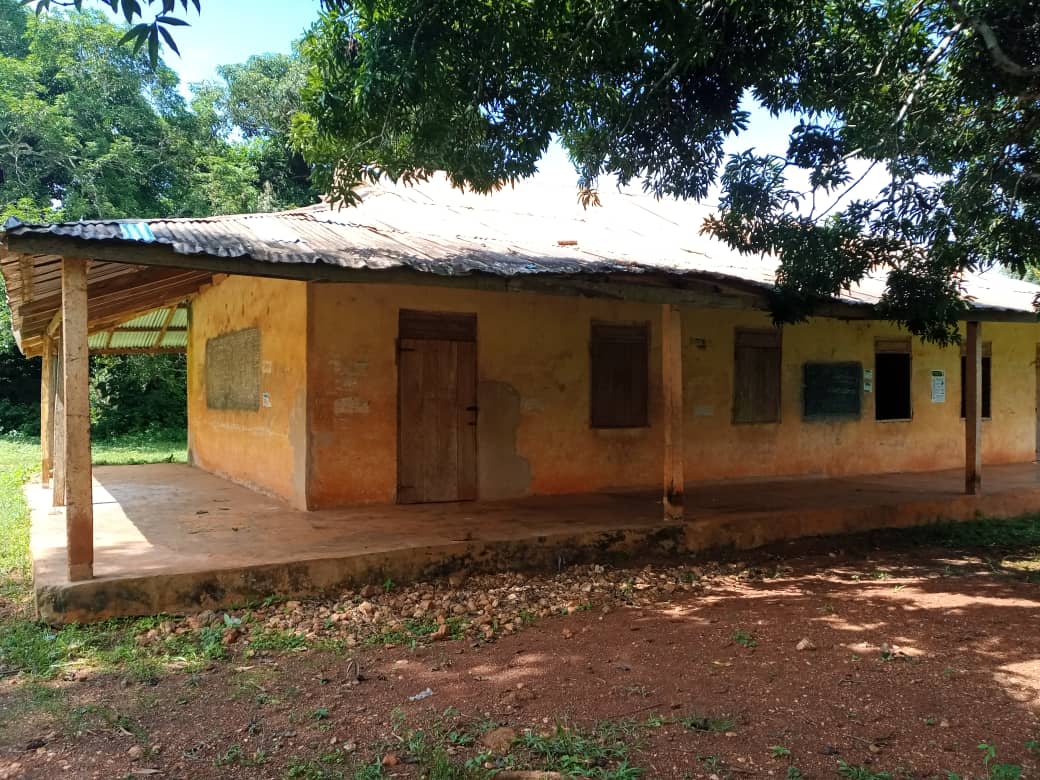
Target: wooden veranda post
point(58, 427)
point(973, 411)
point(79, 502)
point(46, 416)
point(672, 390)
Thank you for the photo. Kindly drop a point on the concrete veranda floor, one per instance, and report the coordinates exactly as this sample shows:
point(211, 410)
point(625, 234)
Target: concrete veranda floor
point(172, 538)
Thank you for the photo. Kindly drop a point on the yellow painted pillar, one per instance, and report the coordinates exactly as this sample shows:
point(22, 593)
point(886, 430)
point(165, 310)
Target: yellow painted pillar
point(672, 389)
point(973, 411)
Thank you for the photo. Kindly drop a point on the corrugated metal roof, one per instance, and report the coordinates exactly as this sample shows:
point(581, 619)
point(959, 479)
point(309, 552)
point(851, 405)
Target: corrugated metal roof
point(161, 330)
point(174, 339)
point(153, 319)
point(529, 229)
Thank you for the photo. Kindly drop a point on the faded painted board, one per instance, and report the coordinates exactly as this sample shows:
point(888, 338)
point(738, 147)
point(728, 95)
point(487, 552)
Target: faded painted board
point(233, 371)
point(832, 390)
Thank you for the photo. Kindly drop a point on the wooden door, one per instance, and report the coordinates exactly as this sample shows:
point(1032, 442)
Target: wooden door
point(437, 408)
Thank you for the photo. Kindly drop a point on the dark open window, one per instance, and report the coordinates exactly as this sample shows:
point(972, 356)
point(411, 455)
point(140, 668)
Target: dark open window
point(756, 376)
point(892, 379)
point(987, 369)
point(619, 375)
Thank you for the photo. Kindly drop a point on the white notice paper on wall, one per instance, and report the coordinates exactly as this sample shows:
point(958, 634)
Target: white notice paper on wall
point(868, 380)
point(938, 387)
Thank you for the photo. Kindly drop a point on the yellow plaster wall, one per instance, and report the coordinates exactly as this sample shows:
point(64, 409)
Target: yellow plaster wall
point(532, 364)
point(264, 449)
point(932, 439)
point(533, 396)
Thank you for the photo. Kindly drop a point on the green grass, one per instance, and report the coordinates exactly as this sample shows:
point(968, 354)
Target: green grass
point(41, 652)
point(720, 724)
point(1016, 534)
point(271, 640)
point(601, 752)
point(140, 448)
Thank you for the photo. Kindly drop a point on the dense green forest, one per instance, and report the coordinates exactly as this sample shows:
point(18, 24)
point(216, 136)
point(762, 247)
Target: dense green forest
point(89, 130)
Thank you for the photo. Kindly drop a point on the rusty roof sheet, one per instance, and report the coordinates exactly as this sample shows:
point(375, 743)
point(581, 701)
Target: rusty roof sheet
point(532, 228)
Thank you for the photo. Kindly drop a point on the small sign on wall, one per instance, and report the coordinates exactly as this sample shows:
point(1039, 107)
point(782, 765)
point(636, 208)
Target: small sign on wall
point(938, 386)
point(868, 380)
point(266, 400)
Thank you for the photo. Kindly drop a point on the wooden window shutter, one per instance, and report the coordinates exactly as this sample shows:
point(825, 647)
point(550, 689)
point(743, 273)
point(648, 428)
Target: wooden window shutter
point(756, 376)
point(896, 346)
point(619, 368)
point(437, 325)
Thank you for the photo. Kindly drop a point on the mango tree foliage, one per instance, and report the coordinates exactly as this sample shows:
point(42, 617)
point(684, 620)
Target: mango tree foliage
point(89, 129)
point(943, 95)
point(92, 129)
point(150, 35)
point(258, 98)
point(87, 125)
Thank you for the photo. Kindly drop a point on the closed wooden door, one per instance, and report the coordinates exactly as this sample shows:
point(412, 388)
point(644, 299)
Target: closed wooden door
point(437, 402)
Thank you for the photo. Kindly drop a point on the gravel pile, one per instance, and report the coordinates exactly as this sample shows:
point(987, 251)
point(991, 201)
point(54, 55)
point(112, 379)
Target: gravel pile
point(476, 608)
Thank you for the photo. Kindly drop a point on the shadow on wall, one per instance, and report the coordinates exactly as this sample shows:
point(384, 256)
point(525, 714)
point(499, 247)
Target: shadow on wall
point(502, 472)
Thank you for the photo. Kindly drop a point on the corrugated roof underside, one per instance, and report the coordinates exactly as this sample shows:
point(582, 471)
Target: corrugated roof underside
point(163, 329)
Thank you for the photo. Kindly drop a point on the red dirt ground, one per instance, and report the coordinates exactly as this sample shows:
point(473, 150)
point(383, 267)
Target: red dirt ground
point(917, 659)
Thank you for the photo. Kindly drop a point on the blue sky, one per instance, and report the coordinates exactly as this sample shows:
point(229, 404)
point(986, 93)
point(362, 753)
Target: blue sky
point(229, 31)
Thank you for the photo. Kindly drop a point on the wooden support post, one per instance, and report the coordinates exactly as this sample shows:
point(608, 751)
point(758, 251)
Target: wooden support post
point(973, 411)
point(79, 500)
point(58, 427)
point(46, 418)
point(672, 391)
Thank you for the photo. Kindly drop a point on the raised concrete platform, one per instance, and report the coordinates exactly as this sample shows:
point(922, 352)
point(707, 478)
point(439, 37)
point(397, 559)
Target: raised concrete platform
point(171, 538)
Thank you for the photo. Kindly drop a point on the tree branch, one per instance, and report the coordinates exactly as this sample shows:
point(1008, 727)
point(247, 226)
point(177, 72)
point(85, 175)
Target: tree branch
point(1000, 57)
point(938, 52)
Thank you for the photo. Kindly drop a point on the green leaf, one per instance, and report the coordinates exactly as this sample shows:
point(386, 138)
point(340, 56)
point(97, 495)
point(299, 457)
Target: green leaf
point(131, 8)
point(136, 34)
point(169, 40)
point(172, 21)
point(153, 47)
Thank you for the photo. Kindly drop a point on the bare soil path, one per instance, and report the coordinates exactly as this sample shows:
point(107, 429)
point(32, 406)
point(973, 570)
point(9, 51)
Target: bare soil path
point(909, 660)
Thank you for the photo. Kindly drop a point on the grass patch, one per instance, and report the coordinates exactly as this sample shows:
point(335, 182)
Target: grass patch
point(1015, 534)
point(140, 448)
point(719, 724)
point(744, 639)
point(412, 632)
point(332, 766)
point(601, 752)
point(17, 463)
point(38, 651)
point(277, 641)
point(856, 772)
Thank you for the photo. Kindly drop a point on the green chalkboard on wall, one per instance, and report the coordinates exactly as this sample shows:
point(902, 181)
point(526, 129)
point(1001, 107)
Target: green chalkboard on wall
point(831, 390)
